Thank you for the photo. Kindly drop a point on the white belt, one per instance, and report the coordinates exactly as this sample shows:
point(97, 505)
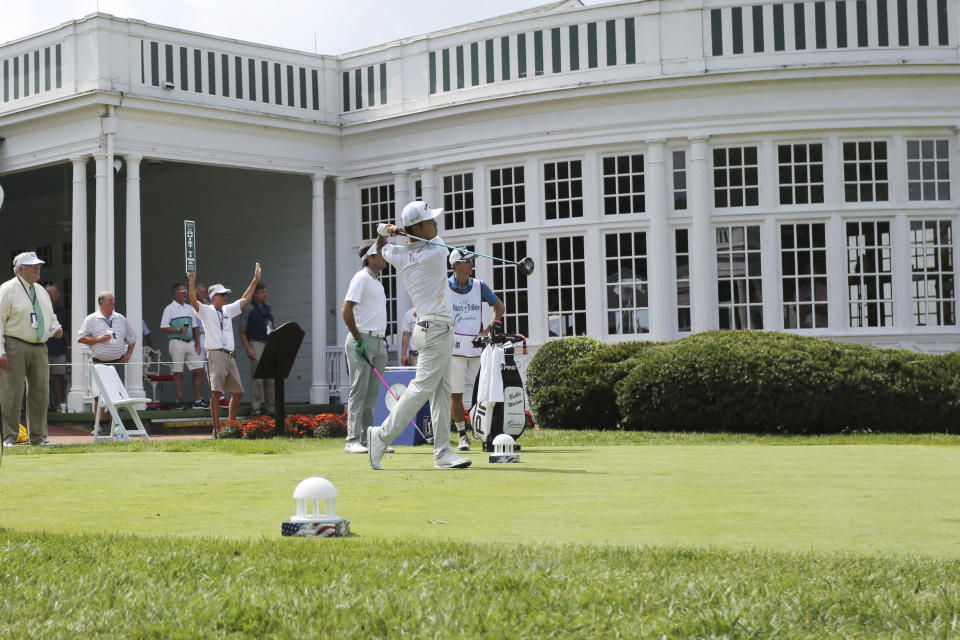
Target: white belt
point(436, 318)
point(374, 334)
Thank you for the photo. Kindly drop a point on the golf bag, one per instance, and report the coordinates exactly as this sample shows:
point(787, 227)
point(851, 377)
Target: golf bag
point(489, 419)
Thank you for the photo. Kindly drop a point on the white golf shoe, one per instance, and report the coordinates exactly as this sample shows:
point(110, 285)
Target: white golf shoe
point(464, 443)
point(449, 460)
point(375, 447)
point(354, 447)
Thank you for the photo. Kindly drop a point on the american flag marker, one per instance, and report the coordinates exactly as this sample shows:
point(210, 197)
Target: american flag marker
point(308, 522)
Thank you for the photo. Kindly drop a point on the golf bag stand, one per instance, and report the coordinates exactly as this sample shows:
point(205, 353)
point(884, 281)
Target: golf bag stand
point(489, 419)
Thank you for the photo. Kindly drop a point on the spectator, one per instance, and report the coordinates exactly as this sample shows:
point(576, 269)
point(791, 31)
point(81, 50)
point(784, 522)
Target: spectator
point(217, 319)
point(256, 323)
point(58, 352)
point(466, 295)
point(408, 355)
point(147, 340)
point(110, 337)
point(179, 322)
point(27, 321)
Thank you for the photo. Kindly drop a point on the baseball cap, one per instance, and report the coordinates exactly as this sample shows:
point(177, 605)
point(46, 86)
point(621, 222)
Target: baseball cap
point(460, 255)
point(217, 289)
point(27, 258)
point(416, 212)
point(372, 251)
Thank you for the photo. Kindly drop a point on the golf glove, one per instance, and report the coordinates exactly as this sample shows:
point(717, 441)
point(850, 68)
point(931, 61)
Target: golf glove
point(360, 347)
point(382, 229)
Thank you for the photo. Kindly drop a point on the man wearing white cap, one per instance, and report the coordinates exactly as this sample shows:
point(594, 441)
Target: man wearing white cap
point(27, 321)
point(423, 269)
point(466, 295)
point(364, 312)
point(217, 318)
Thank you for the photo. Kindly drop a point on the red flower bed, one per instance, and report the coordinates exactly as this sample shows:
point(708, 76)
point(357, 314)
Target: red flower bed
point(300, 425)
point(259, 427)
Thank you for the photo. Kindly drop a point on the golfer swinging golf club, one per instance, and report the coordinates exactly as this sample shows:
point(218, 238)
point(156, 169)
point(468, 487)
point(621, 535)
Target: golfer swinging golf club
point(423, 269)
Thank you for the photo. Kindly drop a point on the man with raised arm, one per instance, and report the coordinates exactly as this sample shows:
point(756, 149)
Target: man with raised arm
point(217, 318)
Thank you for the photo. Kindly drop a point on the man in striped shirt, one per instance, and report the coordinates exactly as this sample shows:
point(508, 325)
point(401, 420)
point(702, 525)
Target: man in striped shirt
point(110, 337)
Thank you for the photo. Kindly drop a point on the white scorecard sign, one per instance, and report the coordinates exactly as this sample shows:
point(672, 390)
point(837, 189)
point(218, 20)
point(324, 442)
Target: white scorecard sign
point(190, 245)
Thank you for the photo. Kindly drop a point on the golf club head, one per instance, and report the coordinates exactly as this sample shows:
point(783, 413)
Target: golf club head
point(526, 265)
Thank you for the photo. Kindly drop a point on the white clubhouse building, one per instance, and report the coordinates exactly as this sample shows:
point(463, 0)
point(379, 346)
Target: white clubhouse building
point(671, 166)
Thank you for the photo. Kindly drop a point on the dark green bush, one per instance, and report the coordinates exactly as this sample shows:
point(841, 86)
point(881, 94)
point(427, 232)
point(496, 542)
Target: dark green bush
point(756, 381)
point(582, 395)
point(555, 356)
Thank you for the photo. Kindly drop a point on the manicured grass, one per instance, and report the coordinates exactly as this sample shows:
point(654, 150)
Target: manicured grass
point(112, 586)
point(666, 536)
point(861, 497)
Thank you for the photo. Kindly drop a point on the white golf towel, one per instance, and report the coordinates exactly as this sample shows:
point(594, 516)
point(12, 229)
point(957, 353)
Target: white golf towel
point(491, 380)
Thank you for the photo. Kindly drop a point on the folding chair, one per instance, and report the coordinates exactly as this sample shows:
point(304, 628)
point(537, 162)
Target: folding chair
point(113, 395)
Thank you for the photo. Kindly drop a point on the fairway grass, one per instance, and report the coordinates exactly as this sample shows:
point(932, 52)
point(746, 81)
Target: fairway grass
point(102, 586)
point(862, 498)
point(635, 536)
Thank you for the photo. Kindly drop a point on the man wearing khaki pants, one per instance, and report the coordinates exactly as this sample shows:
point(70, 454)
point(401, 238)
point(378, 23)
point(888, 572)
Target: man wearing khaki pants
point(27, 321)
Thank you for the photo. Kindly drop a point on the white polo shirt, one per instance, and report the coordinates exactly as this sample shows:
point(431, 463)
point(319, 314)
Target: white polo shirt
point(95, 325)
point(218, 325)
point(370, 310)
point(423, 268)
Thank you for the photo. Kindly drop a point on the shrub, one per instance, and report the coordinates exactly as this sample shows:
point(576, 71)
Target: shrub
point(755, 381)
point(259, 427)
point(555, 356)
point(330, 425)
point(230, 429)
point(582, 395)
point(299, 425)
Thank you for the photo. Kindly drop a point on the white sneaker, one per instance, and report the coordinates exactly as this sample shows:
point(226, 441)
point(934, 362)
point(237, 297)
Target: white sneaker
point(375, 447)
point(464, 443)
point(449, 460)
point(355, 447)
point(8, 444)
point(389, 450)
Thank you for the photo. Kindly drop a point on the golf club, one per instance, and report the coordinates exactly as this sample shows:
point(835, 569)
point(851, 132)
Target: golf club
point(390, 391)
point(525, 264)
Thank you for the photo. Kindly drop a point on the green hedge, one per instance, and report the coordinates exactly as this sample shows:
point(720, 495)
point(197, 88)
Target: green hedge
point(582, 394)
point(555, 356)
point(754, 381)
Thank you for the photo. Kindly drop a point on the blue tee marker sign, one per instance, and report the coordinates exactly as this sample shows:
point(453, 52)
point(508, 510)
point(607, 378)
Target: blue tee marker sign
point(190, 245)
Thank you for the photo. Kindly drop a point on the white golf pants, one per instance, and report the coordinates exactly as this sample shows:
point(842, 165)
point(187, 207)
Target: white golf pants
point(435, 345)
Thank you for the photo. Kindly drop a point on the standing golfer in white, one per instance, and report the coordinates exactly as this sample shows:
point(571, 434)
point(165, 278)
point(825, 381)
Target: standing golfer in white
point(423, 269)
point(364, 312)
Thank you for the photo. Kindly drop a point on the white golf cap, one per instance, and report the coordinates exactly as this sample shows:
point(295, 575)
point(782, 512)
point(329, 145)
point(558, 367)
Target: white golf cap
point(217, 289)
point(460, 255)
point(416, 212)
point(372, 251)
point(27, 258)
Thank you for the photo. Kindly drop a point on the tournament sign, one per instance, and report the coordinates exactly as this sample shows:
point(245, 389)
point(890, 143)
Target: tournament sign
point(190, 245)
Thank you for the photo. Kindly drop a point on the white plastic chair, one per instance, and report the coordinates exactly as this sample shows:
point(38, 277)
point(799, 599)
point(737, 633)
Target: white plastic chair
point(113, 395)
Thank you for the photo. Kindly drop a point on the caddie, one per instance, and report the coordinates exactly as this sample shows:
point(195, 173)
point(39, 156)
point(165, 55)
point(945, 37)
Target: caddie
point(467, 295)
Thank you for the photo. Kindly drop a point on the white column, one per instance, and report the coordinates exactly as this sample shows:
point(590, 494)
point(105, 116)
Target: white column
point(428, 179)
point(319, 392)
point(900, 237)
point(658, 245)
point(702, 288)
point(348, 239)
point(401, 192)
point(100, 240)
point(78, 285)
point(134, 287)
point(110, 129)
